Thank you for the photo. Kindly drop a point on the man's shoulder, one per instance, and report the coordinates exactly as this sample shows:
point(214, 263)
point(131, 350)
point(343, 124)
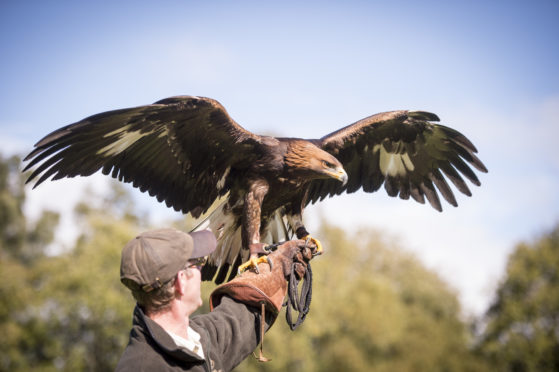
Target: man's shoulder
point(138, 356)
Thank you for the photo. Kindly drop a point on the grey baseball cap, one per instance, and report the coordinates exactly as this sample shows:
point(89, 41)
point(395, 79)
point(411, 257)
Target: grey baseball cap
point(155, 257)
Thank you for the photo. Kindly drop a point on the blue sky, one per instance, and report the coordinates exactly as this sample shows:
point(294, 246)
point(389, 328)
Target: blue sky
point(488, 69)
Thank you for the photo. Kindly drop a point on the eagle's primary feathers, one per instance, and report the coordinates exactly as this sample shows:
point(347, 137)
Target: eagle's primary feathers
point(188, 152)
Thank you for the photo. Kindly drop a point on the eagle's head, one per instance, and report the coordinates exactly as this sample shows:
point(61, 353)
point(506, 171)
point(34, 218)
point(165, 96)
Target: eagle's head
point(305, 159)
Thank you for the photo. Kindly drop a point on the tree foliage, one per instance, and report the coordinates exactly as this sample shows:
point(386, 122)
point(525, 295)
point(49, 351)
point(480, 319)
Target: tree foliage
point(374, 308)
point(20, 239)
point(22, 247)
point(522, 325)
point(85, 310)
point(69, 311)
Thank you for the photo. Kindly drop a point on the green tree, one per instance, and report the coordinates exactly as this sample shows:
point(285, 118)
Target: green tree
point(374, 308)
point(22, 247)
point(85, 313)
point(19, 238)
point(68, 311)
point(522, 325)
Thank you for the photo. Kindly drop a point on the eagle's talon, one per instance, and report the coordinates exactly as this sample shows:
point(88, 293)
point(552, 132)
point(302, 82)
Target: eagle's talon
point(253, 263)
point(262, 259)
point(316, 242)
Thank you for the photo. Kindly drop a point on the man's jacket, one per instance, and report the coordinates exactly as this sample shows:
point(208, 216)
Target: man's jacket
point(228, 335)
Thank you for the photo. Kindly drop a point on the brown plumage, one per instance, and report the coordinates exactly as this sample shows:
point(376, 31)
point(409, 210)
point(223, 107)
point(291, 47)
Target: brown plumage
point(188, 152)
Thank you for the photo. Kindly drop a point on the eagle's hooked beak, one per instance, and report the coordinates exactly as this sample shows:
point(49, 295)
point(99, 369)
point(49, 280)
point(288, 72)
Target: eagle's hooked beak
point(340, 175)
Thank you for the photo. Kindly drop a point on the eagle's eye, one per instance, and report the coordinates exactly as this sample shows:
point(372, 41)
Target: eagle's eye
point(327, 164)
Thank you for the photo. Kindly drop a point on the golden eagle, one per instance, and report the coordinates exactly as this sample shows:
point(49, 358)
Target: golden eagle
point(188, 152)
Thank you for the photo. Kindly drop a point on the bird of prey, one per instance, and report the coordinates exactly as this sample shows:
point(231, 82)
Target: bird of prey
point(188, 152)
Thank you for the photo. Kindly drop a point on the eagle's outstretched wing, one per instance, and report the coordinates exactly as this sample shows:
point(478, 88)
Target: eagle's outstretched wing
point(183, 150)
point(403, 150)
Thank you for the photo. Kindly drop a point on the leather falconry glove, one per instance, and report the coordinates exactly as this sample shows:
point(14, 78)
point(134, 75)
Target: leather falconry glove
point(270, 285)
point(267, 289)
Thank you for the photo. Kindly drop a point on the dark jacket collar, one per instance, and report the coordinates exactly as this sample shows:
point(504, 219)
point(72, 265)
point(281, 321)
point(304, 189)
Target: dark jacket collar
point(161, 338)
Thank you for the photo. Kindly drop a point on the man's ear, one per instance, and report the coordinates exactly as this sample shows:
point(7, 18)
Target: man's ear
point(180, 282)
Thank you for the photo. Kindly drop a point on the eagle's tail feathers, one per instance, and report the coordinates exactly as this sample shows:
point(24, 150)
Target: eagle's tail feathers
point(229, 253)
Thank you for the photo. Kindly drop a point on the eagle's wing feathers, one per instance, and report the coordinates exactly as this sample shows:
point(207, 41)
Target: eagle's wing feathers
point(181, 150)
point(404, 151)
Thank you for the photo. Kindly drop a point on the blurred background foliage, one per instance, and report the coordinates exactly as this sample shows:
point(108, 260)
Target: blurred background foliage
point(375, 307)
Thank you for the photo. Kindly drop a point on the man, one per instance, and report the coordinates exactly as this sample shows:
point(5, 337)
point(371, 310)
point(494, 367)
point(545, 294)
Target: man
point(162, 269)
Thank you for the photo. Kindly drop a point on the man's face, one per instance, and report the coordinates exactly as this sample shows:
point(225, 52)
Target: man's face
point(192, 296)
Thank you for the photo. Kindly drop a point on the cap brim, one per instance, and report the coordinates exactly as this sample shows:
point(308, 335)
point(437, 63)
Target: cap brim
point(204, 243)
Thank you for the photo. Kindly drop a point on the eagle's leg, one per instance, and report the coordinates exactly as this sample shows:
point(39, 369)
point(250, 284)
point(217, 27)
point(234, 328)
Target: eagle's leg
point(296, 222)
point(251, 225)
